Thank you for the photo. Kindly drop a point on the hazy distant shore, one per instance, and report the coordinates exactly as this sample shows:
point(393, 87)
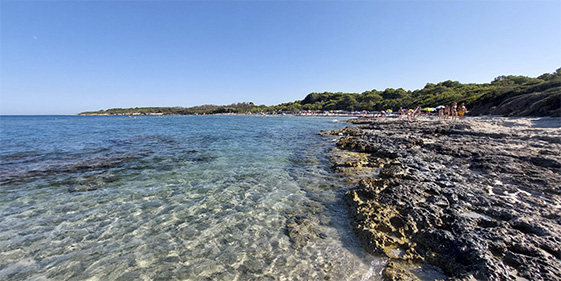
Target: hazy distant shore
point(477, 198)
point(304, 113)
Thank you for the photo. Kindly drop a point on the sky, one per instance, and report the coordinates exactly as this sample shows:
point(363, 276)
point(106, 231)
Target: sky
point(66, 57)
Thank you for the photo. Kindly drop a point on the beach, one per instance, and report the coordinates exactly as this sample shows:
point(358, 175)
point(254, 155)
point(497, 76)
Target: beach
point(474, 199)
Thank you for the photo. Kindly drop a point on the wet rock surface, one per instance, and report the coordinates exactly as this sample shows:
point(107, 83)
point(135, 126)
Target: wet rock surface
point(478, 198)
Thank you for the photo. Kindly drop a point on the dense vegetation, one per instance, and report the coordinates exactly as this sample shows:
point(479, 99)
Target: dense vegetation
point(505, 95)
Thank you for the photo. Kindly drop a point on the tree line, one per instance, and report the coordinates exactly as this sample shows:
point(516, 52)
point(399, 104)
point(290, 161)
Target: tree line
point(505, 95)
point(240, 107)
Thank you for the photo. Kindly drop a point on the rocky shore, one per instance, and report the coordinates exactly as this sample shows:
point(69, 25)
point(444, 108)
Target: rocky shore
point(478, 199)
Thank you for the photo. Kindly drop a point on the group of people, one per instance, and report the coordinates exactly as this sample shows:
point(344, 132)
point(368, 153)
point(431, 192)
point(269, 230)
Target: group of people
point(444, 112)
point(410, 113)
point(454, 111)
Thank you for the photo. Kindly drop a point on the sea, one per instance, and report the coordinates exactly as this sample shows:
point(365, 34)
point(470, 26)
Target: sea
point(174, 198)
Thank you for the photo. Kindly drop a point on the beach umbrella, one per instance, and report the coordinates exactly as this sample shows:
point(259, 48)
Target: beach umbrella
point(389, 110)
point(440, 106)
point(428, 109)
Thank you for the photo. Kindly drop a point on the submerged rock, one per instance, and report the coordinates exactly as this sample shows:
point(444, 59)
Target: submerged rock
point(479, 198)
point(301, 230)
point(82, 188)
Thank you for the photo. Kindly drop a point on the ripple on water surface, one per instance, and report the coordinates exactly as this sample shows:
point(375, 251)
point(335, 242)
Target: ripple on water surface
point(191, 198)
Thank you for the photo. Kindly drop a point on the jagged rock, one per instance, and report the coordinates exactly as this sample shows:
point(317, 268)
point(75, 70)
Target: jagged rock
point(478, 198)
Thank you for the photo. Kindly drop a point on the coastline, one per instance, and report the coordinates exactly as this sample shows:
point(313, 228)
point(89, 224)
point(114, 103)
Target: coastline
point(477, 198)
point(260, 114)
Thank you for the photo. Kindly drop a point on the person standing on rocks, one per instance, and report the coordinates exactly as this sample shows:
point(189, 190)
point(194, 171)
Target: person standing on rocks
point(447, 112)
point(454, 111)
point(462, 111)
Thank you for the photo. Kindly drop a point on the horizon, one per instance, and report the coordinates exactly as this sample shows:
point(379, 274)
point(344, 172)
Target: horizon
point(63, 58)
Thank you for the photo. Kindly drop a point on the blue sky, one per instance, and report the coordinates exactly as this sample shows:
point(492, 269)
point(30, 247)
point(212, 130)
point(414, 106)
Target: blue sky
point(64, 57)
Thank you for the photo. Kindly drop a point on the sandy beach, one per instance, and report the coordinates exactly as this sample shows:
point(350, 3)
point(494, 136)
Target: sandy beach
point(474, 199)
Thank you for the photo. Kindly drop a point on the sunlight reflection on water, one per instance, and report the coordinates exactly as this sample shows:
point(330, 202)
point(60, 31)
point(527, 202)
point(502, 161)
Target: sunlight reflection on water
point(196, 199)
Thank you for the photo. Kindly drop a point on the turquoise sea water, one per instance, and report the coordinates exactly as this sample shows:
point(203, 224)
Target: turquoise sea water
point(173, 198)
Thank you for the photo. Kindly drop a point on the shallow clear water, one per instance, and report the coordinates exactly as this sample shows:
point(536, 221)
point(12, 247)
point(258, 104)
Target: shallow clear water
point(174, 197)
